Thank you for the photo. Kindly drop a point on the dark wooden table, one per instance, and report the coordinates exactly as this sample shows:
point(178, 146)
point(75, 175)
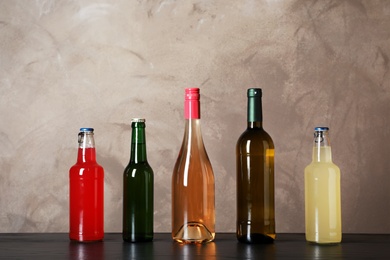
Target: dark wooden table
point(287, 246)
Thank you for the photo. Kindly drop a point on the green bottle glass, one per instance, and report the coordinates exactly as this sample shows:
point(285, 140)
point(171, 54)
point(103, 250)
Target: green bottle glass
point(138, 181)
point(255, 178)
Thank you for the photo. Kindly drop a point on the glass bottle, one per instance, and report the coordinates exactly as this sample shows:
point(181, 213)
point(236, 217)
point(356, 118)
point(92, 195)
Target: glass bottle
point(322, 193)
point(138, 189)
point(86, 192)
point(255, 177)
point(193, 202)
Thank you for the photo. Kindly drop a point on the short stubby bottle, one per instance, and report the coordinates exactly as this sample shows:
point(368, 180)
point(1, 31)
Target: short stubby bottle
point(86, 192)
point(138, 181)
point(193, 202)
point(255, 177)
point(322, 193)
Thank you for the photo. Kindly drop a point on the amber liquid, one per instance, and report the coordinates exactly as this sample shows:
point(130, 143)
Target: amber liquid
point(255, 186)
point(193, 201)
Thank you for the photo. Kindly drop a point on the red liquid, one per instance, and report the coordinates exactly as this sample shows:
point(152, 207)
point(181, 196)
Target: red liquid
point(86, 198)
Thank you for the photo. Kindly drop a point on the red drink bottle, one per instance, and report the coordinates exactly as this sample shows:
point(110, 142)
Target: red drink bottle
point(86, 192)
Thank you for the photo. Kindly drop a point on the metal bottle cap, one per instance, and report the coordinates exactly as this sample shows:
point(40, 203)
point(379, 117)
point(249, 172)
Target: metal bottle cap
point(138, 120)
point(86, 129)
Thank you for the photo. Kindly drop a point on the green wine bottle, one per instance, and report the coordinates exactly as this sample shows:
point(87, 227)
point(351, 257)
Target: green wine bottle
point(138, 189)
point(255, 178)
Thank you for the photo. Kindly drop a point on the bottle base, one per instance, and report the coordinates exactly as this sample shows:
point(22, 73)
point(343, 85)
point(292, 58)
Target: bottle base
point(255, 238)
point(137, 239)
point(85, 240)
point(323, 238)
point(323, 243)
point(193, 233)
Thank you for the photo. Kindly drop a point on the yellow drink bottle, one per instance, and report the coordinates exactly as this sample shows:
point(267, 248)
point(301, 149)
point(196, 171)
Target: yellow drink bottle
point(322, 193)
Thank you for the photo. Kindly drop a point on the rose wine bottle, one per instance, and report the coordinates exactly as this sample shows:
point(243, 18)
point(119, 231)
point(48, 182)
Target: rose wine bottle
point(86, 193)
point(138, 189)
point(255, 177)
point(193, 202)
point(322, 193)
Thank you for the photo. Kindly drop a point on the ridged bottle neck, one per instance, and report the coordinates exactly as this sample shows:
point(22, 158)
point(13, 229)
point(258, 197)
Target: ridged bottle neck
point(321, 147)
point(86, 151)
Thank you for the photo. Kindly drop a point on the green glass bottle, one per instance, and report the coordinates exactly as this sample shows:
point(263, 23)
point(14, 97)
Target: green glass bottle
point(255, 178)
point(138, 189)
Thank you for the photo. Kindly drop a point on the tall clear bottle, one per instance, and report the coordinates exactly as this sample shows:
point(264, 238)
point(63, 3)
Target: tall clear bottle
point(322, 193)
point(193, 202)
point(138, 189)
point(255, 177)
point(86, 192)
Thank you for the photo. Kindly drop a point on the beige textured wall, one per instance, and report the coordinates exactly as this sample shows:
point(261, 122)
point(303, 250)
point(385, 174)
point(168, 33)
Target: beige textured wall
point(89, 63)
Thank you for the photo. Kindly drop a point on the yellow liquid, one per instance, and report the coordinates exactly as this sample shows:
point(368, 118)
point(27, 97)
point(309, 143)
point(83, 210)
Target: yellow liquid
point(322, 199)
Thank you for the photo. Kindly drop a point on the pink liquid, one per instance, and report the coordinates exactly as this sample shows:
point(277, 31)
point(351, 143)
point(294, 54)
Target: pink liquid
point(193, 209)
point(193, 198)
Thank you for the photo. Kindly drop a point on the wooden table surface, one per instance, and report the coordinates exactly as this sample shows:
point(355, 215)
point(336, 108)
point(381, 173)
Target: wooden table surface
point(287, 246)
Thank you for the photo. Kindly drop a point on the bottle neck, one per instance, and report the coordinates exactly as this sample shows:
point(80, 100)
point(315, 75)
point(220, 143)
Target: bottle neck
point(255, 112)
point(138, 143)
point(193, 135)
point(254, 125)
point(321, 149)
point(86, 152)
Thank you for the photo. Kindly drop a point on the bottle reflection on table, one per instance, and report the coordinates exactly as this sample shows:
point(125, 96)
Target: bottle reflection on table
point(140, 250)
point(248, 251)
point(322, 251)
point(194, 251)
point(86, 251)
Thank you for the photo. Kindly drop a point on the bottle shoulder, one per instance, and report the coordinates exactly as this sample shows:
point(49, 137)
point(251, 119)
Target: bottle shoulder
point(322, 167)
point(193, 145)
point(141, 166)
point(193, 160)
point(138, 174)
point(86, 164)
point(86, 170)
point(192, 155)
point(255, 137)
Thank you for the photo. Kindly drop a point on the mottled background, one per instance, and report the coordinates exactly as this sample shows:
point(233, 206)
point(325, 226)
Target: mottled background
point(69, 64)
